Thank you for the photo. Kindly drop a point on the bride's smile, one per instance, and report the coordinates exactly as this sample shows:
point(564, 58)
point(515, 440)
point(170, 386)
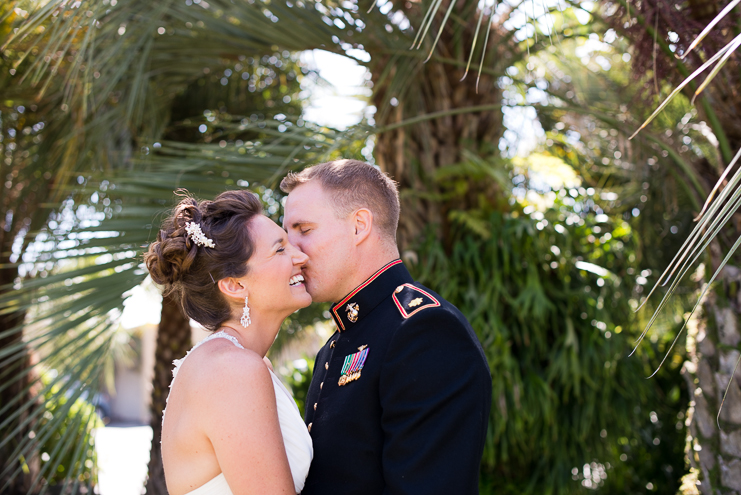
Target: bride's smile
point(273, 281)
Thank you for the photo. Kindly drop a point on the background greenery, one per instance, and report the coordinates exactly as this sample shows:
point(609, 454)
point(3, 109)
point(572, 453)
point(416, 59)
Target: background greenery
point(524, 204)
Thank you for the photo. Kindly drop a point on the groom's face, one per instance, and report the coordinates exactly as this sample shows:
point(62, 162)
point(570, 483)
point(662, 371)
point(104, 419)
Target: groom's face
point(314, 227)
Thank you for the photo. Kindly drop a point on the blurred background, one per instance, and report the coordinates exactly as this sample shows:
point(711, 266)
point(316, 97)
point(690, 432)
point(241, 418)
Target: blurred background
point(506, 125)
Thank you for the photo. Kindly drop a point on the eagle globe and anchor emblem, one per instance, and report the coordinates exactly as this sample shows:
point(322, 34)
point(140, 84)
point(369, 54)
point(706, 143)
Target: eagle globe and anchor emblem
point(352, 312)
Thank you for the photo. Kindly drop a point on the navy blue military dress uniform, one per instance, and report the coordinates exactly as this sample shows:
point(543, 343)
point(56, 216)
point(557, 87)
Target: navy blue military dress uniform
point(400, 398)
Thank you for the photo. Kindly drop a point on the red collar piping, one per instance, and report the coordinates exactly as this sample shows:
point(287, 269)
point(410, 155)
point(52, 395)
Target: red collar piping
point(359, 288)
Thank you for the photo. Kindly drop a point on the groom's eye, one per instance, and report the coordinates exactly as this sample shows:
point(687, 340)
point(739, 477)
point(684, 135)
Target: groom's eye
point(304, 231)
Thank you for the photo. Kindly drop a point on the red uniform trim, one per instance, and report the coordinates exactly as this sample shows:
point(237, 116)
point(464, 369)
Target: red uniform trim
point(406, 315)
point(359, 288)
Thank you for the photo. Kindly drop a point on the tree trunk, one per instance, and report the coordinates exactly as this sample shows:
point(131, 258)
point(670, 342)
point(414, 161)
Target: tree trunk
point(713, 346)
point(412, 155)
point(10, 369)
point(714, 341)
point(173, 341)
point(713, 334)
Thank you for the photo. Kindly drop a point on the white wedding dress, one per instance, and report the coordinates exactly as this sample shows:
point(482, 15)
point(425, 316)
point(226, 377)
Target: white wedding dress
point(296, 438)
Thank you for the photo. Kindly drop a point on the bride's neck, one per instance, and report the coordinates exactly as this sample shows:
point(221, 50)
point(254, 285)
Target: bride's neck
point(258, 336)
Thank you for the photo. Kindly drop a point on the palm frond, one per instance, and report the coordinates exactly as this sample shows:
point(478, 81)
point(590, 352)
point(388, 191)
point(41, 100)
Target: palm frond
point(709, 225)
point(73, 310)
point(728, 49)
point(727, 10)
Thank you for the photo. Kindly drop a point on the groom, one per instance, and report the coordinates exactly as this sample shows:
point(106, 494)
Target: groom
point(400, 398)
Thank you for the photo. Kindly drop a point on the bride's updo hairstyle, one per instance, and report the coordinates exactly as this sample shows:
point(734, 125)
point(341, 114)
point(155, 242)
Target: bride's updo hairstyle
point(189, 271)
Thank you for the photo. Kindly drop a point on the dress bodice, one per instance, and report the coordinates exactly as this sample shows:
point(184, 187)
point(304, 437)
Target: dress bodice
point(296, 438)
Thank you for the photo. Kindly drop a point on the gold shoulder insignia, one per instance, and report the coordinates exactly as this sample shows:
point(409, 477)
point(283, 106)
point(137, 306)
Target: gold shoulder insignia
point(410, 300)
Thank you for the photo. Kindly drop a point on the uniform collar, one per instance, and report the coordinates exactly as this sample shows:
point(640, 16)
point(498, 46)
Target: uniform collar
point(366, 296)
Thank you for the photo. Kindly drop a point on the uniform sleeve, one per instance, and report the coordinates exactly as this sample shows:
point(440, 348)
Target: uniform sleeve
point(435, 392)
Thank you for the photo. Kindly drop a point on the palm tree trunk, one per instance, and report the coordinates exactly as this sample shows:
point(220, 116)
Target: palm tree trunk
point(412, 155)
point(713, 346)
point(714, 341)
point(11, 369)
point(173, 341)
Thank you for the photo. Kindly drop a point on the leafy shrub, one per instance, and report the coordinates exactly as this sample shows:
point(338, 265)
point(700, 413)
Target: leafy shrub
point(550, 293)
point(297, 375)
point(65, 433)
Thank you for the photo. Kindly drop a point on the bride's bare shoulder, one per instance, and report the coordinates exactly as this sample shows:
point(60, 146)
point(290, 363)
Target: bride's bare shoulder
point(219, 367)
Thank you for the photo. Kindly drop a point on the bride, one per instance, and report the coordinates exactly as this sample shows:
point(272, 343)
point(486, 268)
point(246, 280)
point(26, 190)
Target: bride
point(230, 425)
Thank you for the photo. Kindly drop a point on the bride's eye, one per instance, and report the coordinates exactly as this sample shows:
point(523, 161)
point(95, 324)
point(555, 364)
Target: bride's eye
point(280, 250)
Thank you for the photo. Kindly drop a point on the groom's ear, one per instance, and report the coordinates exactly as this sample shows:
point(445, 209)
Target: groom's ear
point(363, 223)
point(232, 287)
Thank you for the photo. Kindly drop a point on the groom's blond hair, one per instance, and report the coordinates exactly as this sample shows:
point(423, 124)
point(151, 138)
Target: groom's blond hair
point(353, 184)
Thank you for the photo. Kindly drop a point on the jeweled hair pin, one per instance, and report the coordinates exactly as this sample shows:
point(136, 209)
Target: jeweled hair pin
point(196, 234)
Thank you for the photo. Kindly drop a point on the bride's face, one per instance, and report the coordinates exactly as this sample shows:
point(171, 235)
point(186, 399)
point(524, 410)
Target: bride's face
point(274, 282)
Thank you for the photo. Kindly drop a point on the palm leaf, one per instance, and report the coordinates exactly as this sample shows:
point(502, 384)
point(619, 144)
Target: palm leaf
point(729, 48)
point(728, 8)
point(709, 225)
point(89, 293)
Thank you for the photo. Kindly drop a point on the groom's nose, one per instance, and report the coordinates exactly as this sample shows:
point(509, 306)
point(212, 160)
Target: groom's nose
point(297, 246)
point(293, 238)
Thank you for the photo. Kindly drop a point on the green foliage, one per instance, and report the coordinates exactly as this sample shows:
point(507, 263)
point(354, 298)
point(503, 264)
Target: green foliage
point(297, 374)
point(556, 334)
point(549, 292)
point(654, 451)
point(68, 452)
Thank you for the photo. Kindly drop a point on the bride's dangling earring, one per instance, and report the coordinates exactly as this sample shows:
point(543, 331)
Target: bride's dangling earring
point(245, 320)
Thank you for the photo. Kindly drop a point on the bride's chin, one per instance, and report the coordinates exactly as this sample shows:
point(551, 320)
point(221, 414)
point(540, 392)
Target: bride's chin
point(307, 301)
point(302, 301)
